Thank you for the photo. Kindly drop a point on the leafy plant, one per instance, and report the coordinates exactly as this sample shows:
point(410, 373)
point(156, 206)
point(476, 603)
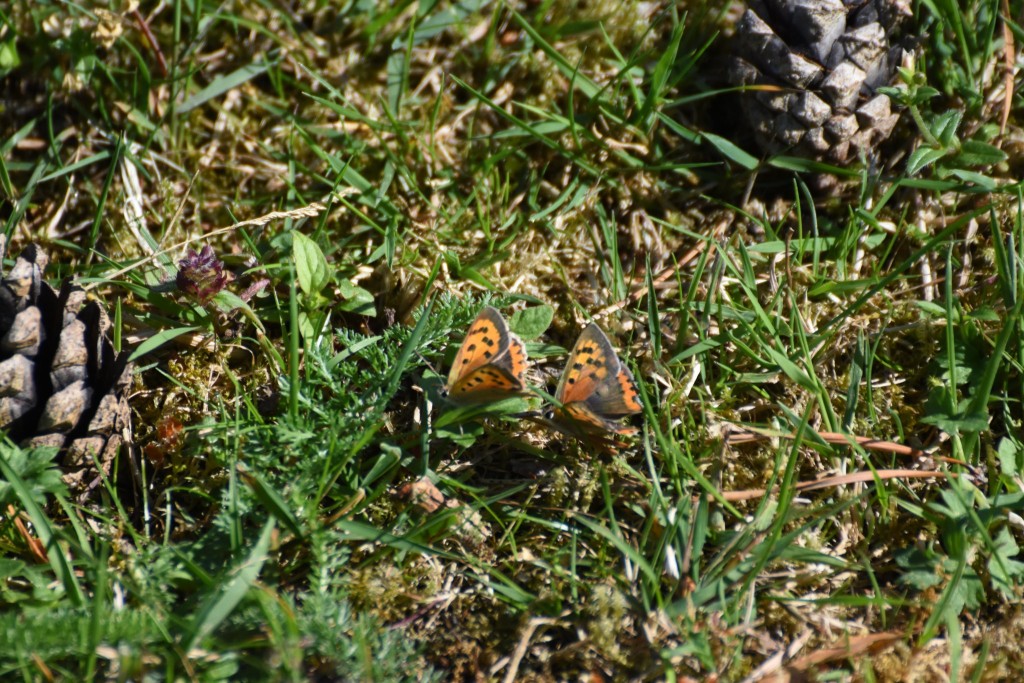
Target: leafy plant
point(975, 554)
point(943, 150)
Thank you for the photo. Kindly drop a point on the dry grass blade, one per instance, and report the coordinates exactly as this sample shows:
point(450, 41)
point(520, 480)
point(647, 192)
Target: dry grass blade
point(512, 662)
point(35, 546)
point(842, 480)
point(747, 434)
point(776, 662)
point(1009, 66)
point(851, 646)
point(309, 211)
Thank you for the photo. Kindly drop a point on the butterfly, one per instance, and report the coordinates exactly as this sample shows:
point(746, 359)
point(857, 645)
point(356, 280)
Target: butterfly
point(490, 364)
point(596, 389)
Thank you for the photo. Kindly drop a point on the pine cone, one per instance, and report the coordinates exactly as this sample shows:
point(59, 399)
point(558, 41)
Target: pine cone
point(61, 383)
point(823, 60)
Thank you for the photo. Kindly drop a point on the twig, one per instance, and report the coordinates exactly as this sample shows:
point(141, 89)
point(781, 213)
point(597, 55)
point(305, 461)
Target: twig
point(748, 434)
point(521, 647)
point(151, 39)
point(841, 480)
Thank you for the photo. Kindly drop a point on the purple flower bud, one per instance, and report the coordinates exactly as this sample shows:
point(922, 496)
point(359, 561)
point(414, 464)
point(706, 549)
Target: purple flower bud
point(201, 275)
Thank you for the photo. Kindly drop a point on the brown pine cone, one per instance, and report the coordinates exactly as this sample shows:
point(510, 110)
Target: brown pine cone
point(818, 64)
point(61, 383)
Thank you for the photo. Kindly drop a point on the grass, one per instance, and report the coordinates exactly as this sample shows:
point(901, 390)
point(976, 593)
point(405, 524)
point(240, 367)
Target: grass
point(303, 504)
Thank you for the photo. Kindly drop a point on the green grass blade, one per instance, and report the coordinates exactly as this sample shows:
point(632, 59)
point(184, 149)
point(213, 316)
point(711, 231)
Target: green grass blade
point(223, 601)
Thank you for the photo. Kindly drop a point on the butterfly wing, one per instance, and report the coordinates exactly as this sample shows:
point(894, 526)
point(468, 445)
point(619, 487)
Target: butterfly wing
point(590, 363)
point(616, 396)
point(485, 384)
point(490, 364)
point(596, 388)
point(514, 360)
point(486, 338)
point(579, 419)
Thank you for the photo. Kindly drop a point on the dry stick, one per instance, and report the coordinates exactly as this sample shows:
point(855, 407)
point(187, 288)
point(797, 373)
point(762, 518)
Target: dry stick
point(774, 663)
point(841, 480)
point(851, 647)
point(153, 44)
point(750, 434)
point(639, 292)
point(524, 643)
point(46, 671)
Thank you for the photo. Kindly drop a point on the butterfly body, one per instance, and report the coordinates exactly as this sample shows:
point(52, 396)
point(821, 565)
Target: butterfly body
point(490, 365)
point(596, 389)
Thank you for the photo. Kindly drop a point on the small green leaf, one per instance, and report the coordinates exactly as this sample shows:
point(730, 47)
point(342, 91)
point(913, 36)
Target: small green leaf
point(542, 350)
point(922, 157)
point(9, 59)
point(391, 241)
point(462, 435)
point(530, 323)
point(355, 299)
point(273, 502)
point(975, 153)
point(308, 325)
point(1006, 571)
point(388, 459)
point(310, 264)
point(461, 414)
point(158, 340)
point(945, 125)
point(532, 130)
point(985, 314)
point(1011, 457)
point(229, 302)
point(801, 165)
point(932, 309)
point(827, 286)
point(474, 275)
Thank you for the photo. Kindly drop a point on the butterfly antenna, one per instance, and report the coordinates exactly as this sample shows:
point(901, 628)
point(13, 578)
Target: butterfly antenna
point(427, 362)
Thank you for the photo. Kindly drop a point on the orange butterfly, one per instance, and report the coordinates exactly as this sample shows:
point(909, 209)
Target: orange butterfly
point(490, 365)
point(596, 389)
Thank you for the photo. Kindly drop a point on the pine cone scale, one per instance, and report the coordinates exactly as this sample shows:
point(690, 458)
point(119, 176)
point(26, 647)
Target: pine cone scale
point(61, 382)
point(818, 64)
